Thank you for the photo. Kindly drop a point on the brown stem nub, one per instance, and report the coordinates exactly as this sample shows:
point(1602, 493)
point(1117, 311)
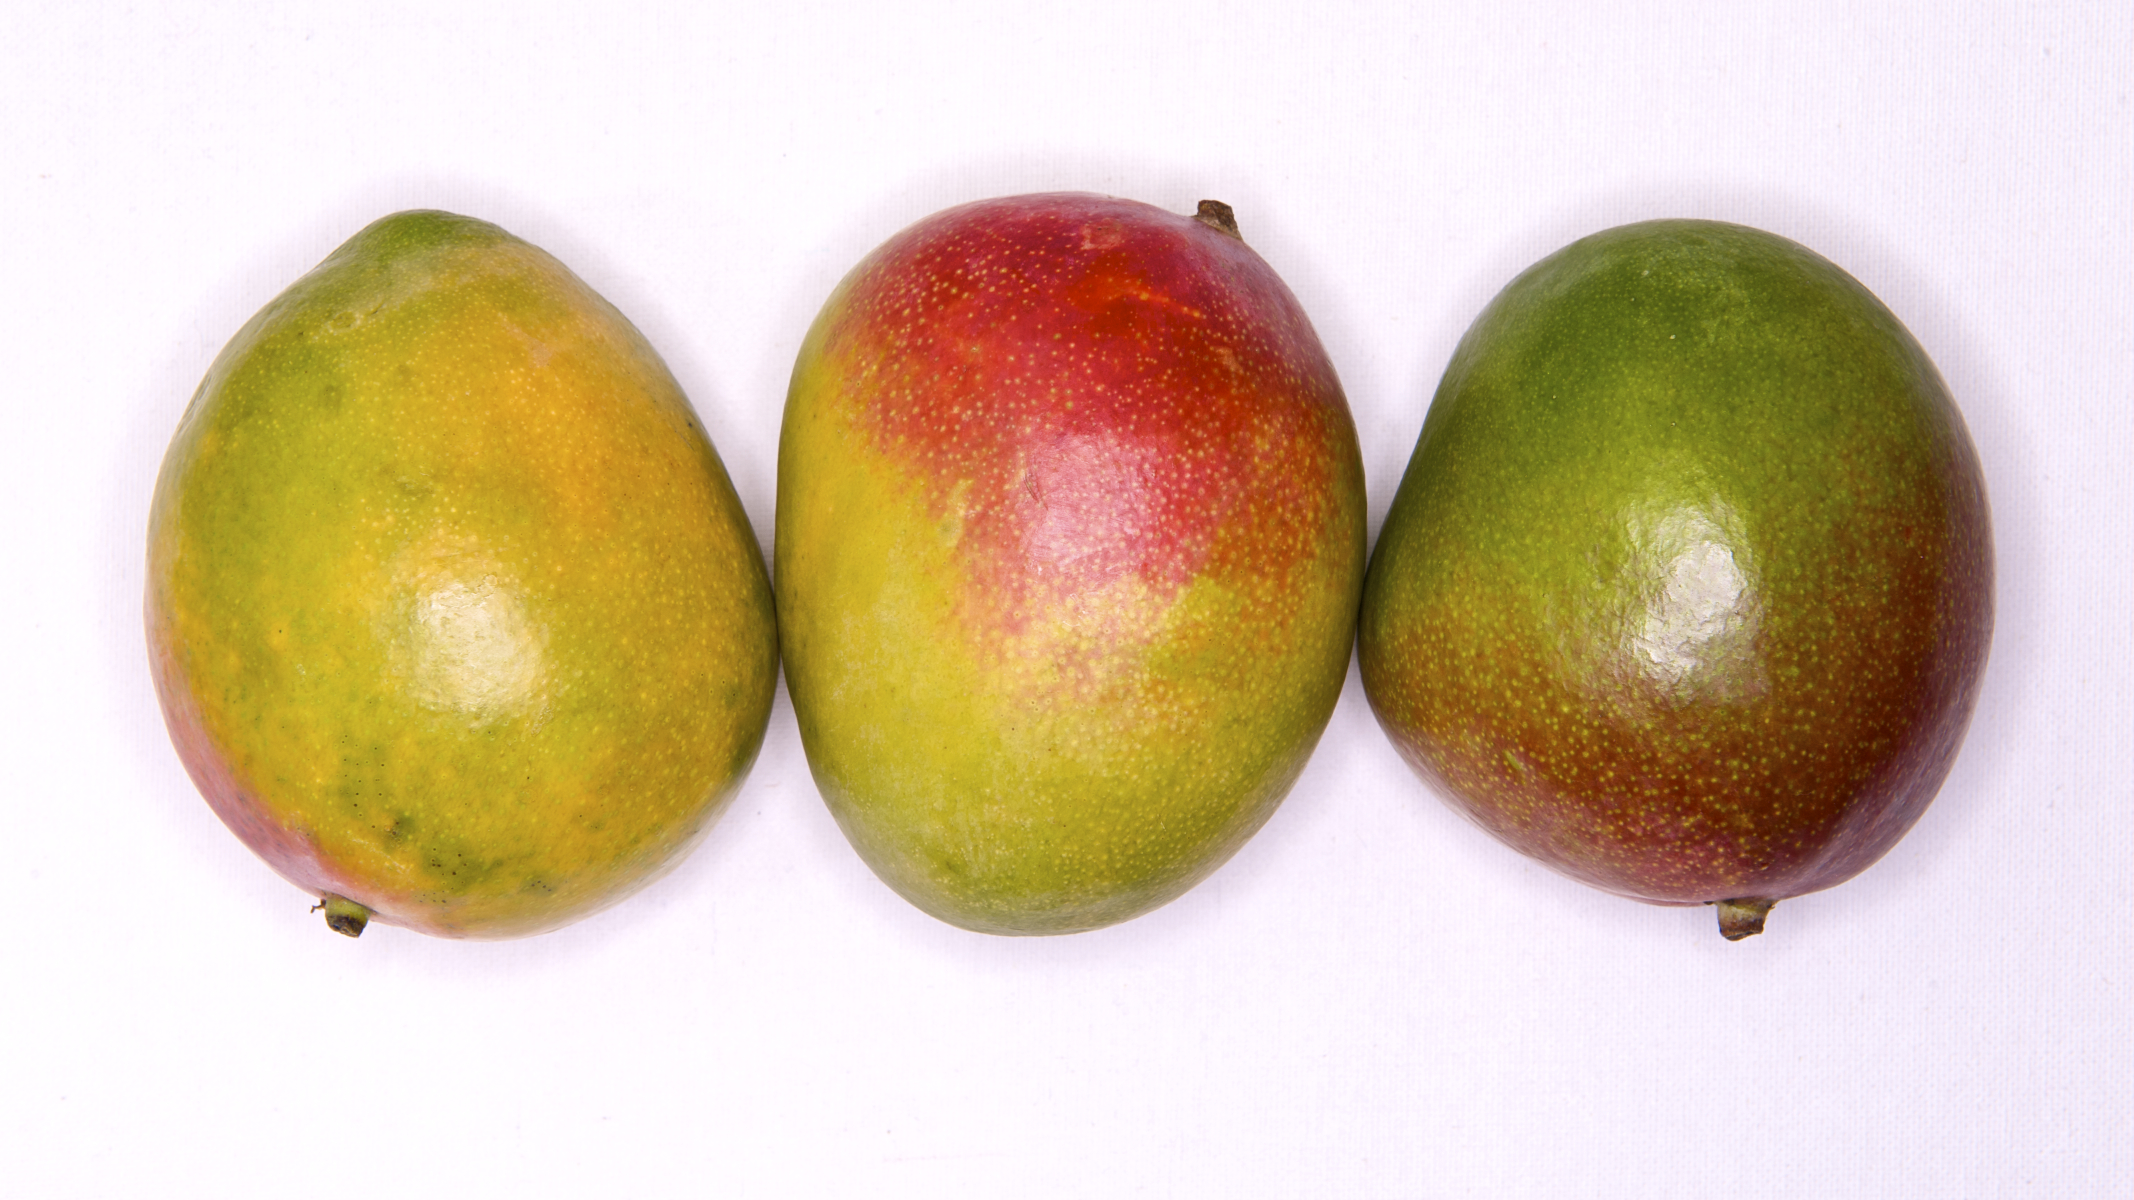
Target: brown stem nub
point(1742, 918)
point(1217, 215)
point(343, 915)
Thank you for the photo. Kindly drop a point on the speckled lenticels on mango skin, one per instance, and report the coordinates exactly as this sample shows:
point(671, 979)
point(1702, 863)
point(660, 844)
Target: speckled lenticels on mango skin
point(1688, 587)
point(451, 606)
point(1069, 543)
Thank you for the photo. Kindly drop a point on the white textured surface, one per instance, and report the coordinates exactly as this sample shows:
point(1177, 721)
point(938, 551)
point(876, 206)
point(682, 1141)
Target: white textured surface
point(1372, 999)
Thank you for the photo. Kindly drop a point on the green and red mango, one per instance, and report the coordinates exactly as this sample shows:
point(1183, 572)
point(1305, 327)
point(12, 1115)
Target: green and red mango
point(1688, 587)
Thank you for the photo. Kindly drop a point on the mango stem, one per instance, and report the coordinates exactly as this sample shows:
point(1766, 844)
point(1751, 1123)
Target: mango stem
point(1742, 918)
point(343, 915)
point(1217, 215)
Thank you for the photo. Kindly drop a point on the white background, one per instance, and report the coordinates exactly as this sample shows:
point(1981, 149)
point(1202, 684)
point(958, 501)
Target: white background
point(1372, 999)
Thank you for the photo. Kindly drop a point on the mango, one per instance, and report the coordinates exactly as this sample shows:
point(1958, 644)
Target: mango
point(453, 613)
point(1069, 542)
point(1688, 587)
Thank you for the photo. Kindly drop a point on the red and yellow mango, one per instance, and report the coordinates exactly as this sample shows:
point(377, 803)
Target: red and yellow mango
point(1070, 539)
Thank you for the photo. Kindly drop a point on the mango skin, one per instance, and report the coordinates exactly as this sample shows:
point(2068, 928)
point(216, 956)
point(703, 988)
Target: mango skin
point(1070, 537)
point(1687, 589)
point(451, 607)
